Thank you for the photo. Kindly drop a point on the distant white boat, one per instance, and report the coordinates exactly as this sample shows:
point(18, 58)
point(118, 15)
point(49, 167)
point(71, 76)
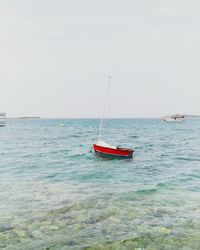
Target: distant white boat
point(2, 119)
point(174, 118)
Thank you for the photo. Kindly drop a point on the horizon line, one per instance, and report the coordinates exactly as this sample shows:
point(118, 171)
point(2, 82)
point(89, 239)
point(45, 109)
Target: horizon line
point(40, 117)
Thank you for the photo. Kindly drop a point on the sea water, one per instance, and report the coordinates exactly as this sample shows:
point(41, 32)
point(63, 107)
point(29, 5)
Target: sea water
point(56, 194)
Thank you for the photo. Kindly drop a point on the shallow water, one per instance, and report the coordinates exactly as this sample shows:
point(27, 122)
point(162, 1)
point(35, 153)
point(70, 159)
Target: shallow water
point(54, 194)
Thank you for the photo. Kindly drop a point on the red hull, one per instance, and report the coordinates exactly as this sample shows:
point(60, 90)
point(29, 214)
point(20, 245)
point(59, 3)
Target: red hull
point(115, 152)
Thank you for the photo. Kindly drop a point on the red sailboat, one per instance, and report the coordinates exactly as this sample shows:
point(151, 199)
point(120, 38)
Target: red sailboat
point(102, 148)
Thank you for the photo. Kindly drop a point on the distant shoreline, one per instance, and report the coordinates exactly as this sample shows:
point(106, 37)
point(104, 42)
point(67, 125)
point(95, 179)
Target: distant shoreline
point(85, 118)
point(24, 117)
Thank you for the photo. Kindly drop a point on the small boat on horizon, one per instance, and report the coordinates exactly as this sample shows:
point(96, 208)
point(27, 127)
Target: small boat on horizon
point(102, 148)
point(174, 118)
point(2, 119)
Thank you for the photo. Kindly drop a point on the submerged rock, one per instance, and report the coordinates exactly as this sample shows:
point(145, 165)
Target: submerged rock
point(36, 234)
point(165, 230)
point(114, 219)
point(21, 233)
point(53, 228)
point(78, 226)
point(5, 227)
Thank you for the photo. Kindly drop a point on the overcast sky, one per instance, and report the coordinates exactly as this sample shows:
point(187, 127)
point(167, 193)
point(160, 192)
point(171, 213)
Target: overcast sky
point(55, 56)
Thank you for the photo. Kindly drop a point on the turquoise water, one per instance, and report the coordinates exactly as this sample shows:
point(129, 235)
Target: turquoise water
point(54, 194)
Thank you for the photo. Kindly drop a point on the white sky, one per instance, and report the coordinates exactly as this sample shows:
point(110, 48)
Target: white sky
point(55, 56)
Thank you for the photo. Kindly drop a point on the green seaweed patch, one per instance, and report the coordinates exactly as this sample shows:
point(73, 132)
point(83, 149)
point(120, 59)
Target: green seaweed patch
point(146, 242)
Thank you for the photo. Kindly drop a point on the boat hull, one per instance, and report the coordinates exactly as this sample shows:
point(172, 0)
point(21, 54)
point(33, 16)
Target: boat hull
point(173, 120)
point(113, 152)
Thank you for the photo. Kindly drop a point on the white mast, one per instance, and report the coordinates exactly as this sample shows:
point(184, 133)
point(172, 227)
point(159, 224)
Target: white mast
point(106, 99)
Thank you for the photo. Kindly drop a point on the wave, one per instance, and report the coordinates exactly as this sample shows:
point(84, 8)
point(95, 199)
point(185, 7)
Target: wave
point(187, 158)
point(147, 191)
point(134, 136)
